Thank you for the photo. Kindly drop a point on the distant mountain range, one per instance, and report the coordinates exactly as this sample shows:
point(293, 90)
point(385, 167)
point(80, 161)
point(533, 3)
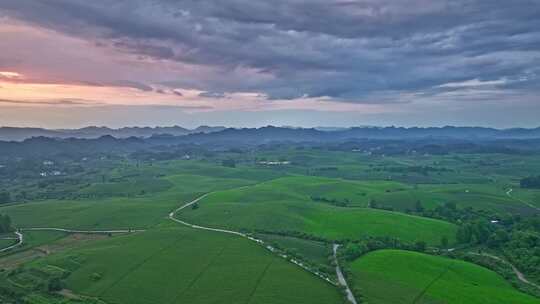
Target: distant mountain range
point(283, 134)
point(19, 134)
point(268, 134)
point(91, 141)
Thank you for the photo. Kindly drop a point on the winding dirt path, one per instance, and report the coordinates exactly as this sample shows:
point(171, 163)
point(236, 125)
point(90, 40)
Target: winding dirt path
point(240, 234)
point(516, 271)
point(20, 240)
point(171, 216)
point(509, 194)
point(20, 236)
point(83, 231)
point(341, 278)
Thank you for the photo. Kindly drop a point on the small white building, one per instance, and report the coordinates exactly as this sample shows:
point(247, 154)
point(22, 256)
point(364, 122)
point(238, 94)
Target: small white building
point(274, 163)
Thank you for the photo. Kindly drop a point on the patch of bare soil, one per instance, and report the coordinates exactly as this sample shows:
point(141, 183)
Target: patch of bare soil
point(71, 241)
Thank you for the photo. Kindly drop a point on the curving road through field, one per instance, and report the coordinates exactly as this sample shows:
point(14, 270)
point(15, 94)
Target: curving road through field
point(341, 278)
point(20, 240)
point(20, 236)
point(258, 241)
point(516, 271)
point(83, 231)
point(171, 217)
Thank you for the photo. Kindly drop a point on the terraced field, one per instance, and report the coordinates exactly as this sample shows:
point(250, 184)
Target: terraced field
point(419, 278)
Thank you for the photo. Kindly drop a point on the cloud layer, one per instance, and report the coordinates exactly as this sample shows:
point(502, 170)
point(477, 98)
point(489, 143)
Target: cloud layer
point(403, 55)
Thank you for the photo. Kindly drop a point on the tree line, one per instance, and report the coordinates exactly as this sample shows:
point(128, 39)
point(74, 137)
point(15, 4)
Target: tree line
point(5, 223)
point(5, 197)
point(530, 182)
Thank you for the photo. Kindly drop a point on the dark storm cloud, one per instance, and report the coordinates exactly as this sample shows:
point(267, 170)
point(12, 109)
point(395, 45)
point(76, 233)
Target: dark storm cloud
point(354, 51)
point(145, 49)
point(132, 84)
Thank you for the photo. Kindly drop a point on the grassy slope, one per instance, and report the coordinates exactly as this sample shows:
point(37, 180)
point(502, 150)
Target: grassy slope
point(32, 239)
point(6, 243)
point(143, 185)
point(526, 196)
point(279, 202)
point(429, 279)
point(285, 204)
point(314, 251)
point(487, 177)
point(180, 265)
point(117, 212)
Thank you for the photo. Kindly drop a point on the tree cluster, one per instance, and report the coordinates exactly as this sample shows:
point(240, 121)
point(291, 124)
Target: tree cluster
point(5, 197)
point(5, 223)
point(230, 163)
point(530, 182)
point(356, 249)
point(340, 203)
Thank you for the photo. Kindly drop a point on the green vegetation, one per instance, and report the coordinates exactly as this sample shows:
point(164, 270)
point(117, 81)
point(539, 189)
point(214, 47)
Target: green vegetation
point(298, 199)
point(314, 254)
point(37, 238)
point(309, 249)
point(286, 205)
point(127, 188)
point(419, 278)
point(181, 265)
point(6, 242)
point(5, 197)
point(531, 182)
point(117, 212)
point(5, 223)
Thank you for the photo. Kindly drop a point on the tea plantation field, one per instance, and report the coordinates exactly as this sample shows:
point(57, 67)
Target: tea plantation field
point(419, 278)
point(117, 212)
point(181, 265)
point(286, 204)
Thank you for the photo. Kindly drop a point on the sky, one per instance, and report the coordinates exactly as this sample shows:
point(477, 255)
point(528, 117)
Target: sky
point(250, 63)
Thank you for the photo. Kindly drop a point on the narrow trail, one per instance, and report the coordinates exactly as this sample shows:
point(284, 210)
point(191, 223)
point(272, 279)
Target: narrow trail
point(171, 216)
point(509, 194)
point(244, 235)
point(20, 240)
point(516, 271)
point(83, 231)
point(20, 236)
point(341, 278)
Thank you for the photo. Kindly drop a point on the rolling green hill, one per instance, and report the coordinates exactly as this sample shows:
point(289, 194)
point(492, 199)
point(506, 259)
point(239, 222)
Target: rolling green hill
point(285, 204)
point(117, 212)
point(180, 265)
point(419, 278)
